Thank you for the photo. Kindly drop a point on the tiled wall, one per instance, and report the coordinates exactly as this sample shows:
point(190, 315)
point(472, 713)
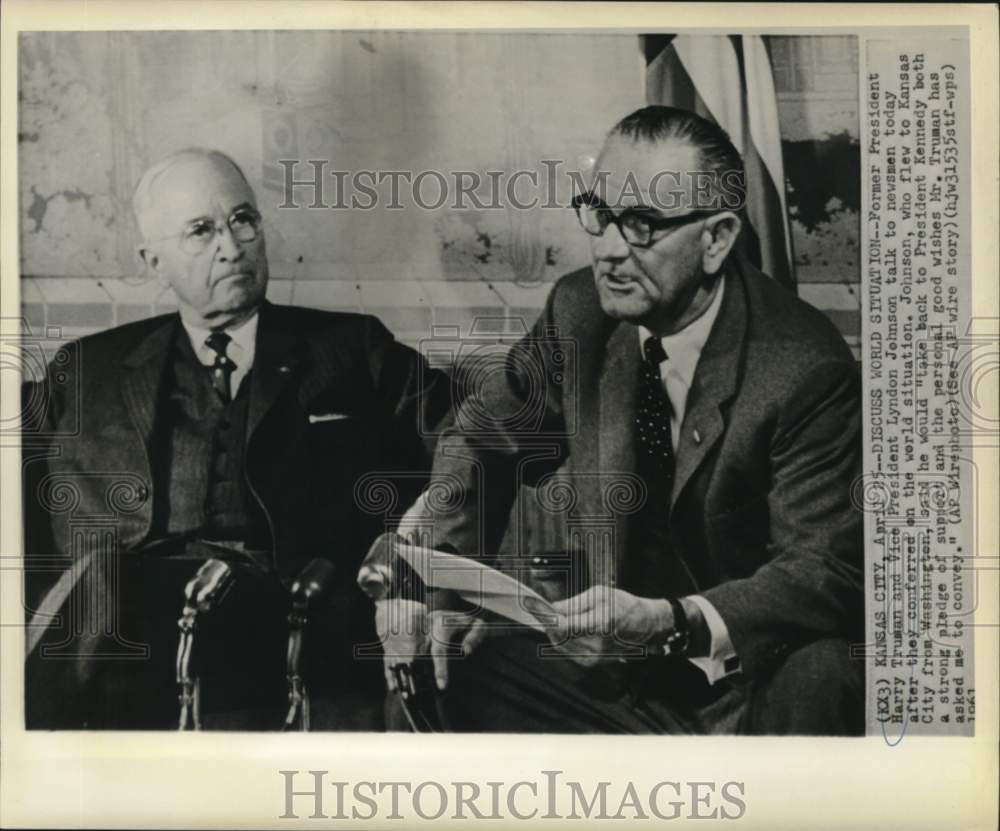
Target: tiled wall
point(412, 309)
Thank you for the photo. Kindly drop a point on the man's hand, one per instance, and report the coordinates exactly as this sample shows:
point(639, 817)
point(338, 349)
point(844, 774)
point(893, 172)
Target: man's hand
point(407, 631)
point(606, 624)
point(403, 626)
point(442, 634)
point(404, 630)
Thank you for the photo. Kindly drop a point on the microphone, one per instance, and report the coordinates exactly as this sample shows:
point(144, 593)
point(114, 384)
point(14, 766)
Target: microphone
point(385, 575)
point(203, 594)
point(309, 589)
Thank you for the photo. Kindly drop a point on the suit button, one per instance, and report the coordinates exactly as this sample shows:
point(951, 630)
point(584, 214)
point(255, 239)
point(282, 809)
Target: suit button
point(141, 493)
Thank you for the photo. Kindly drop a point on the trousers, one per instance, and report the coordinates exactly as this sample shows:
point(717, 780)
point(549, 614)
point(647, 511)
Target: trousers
point(509, 686)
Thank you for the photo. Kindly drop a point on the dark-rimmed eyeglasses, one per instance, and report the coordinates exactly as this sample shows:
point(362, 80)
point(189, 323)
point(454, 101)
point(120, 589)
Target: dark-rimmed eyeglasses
point(243, 223)
point(640, 227)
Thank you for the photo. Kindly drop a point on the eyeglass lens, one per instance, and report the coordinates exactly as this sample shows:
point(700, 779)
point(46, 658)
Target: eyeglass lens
point(244, 225)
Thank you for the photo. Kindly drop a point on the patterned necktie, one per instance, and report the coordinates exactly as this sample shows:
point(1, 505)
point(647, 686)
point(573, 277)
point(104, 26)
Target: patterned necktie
point(653, 416)
point(222, 368)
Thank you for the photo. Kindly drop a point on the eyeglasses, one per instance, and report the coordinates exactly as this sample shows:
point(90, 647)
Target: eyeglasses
point(244, 224)
point(639, 227)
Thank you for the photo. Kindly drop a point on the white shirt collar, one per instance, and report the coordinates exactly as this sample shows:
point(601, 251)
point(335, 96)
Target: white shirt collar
point(240, 350)
point(683, 350)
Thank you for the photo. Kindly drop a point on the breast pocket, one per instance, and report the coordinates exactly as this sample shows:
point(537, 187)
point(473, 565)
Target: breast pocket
point(338, 443)
point(328, 418)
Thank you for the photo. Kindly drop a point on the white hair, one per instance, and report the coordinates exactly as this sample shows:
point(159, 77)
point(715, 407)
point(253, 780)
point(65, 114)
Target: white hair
point(143, 196)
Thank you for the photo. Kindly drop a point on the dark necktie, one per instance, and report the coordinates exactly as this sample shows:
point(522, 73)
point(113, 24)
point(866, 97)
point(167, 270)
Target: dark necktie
point(653, 415)
point(647, 569)
point(222, 368)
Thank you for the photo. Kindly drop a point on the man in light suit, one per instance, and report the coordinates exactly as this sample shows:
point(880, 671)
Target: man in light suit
point(726, 595)
point(235, 430)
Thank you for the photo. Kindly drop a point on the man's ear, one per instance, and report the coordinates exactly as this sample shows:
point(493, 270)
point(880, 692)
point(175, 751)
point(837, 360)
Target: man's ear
point(719, 237)
point(148, 256)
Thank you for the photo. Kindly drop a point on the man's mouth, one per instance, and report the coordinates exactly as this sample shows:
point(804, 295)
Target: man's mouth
point(235, 275)
point(617, 282)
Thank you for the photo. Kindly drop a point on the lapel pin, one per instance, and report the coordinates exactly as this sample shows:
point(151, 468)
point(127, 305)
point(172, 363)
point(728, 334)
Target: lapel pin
point(697, 437)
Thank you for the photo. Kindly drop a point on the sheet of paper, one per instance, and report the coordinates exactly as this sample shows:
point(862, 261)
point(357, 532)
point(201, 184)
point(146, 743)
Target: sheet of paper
point(478, 584)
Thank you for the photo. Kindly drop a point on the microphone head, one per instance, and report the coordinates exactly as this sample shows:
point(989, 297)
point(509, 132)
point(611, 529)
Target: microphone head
point(209, 586)
point(377, 575)
point(313, 581)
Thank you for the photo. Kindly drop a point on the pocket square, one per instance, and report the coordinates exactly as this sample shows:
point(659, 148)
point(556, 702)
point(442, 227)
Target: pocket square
point(321, 417)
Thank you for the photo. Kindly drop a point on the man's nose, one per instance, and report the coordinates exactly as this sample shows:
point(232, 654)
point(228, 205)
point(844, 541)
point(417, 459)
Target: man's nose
point(611, 245)
point(230, 249)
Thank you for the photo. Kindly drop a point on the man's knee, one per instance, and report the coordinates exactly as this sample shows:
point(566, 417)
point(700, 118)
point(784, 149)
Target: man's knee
point(817, 690)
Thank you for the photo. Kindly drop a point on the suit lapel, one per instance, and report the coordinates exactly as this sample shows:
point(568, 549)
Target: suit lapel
point(618, 385)
point(617, 393)
point(144, 368)
point(715, 383)
point(278, 354)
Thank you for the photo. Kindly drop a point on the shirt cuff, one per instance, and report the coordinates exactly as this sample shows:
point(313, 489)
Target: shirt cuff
point(722, 660)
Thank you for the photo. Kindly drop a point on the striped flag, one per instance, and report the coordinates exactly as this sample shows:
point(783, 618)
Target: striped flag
point(727, 78)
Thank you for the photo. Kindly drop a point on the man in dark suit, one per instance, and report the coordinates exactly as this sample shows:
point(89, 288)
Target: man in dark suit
point(705, 423)
point(236, 430)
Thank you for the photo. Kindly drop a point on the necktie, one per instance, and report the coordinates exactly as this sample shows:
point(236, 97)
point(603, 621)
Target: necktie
point(645, 570)
point(222, 368)
point(653, 415)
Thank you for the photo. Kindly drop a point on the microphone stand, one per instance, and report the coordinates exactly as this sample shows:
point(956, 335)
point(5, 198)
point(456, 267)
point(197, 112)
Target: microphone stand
point(203, 594)
point(384, 575)
point(307, 591)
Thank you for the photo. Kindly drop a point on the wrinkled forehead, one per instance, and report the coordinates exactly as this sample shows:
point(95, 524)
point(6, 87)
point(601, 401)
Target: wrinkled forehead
point(643, 173)
point(192, 188)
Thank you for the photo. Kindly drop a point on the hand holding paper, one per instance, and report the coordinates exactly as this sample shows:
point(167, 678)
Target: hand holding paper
point(404, 626)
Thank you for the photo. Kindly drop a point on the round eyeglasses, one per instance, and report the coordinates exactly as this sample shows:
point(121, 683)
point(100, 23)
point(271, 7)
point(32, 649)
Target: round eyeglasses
point(244, 224)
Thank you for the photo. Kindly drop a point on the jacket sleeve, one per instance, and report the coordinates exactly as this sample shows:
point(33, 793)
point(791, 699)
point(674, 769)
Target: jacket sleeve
point(812, 582)
point(48, 404)
point(510, 417)
point(416, 400)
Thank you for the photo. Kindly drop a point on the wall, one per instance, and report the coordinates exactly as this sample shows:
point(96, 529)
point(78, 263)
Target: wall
point(97, 108)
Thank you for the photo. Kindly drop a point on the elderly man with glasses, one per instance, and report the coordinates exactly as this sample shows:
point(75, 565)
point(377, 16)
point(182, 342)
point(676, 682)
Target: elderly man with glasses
point(702, 427)
point(235, 430)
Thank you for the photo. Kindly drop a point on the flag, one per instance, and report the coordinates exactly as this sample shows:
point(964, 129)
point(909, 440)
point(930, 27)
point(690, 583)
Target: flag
point(727, 79)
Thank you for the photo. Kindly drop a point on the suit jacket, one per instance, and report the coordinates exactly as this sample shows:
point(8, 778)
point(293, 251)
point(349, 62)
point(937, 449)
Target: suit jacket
point(333, 399)
point(761, 520)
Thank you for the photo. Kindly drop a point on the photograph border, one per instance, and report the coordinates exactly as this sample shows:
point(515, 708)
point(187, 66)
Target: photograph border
point(130, 780)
